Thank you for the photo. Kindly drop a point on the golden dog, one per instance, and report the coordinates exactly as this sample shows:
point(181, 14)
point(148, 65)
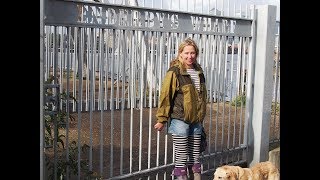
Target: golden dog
point(260, 171)
point(265, 171)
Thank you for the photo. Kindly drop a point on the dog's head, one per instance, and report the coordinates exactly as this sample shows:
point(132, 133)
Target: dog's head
point(226, 173)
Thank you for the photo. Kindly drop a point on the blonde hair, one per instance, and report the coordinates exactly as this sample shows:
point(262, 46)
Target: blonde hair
point(183, 44)
point(188, 42)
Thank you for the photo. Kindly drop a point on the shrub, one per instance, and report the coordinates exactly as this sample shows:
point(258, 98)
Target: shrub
point(239, 100)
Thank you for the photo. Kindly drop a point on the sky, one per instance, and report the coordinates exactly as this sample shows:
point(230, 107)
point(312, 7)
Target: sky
point(208, 4)
point(269, 2)
point(201, 6)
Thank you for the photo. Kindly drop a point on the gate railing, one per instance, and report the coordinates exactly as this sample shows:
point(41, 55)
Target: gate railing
point(111, 60)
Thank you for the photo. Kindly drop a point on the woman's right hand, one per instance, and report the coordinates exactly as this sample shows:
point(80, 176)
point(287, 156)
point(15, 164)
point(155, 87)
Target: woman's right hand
point(159, 126)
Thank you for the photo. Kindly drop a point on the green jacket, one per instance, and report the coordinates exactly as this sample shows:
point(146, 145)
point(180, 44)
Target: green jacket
point(179, 98)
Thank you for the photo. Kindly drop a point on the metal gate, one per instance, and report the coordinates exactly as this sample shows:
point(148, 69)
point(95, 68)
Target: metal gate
point(102, 67)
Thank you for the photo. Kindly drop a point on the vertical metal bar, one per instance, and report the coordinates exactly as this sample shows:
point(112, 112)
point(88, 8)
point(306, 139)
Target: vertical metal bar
point(68, 99)
point(169, 49)
point(75, 68)
point(91, 80)
point(250, 79)
point(86, 66)
point(157, 64)
point(210, 78)
point(237, 87)
point(212, 86)
point(136, 66)
point(218, 89)
point(230, 99)
point(101, 97)
point(107, 66)
point(48, 50)
point(142, 64)
point(215, 85)
point(98, 70)
point(42, 52)
point(93, 70)
point(146, 54)
point(199, 41)
point(59, 60)
point(124, 49)
point(205, 54)
point(231, 92)
point(224, 71)
point(243, 93)
point(79, 102)
point(112, 101)
point(130, 58)
point(150, 97)
point(239, 64)
point(132, 79)
point(161, 52)
point(118, 59)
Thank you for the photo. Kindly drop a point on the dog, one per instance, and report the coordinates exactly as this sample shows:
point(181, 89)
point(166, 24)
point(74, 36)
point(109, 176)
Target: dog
point(265, 171)
point(227, 172)
point(260, 171)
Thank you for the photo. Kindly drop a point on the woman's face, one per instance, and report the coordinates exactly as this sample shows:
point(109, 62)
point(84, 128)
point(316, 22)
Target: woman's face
point(188, 56)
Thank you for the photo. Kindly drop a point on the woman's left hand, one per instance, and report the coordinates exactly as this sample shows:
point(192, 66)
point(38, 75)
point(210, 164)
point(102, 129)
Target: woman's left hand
point(159, 126)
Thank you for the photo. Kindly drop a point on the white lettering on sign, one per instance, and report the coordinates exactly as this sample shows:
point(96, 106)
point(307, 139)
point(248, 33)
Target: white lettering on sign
point(92, 14)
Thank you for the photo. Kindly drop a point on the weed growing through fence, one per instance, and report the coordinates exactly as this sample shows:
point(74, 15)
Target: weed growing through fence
point(239, 100)
point(55, 150)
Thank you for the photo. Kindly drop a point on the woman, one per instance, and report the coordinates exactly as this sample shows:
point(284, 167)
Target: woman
point(183, 101)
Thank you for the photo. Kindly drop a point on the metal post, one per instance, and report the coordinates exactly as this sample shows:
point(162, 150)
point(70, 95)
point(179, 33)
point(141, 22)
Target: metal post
point(258, 142)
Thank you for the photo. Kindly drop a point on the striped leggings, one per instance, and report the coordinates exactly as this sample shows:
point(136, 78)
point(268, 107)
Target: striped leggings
point(187, 149)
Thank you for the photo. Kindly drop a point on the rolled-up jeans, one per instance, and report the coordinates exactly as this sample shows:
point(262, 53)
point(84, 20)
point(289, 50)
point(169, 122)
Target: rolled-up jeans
point(179, 127)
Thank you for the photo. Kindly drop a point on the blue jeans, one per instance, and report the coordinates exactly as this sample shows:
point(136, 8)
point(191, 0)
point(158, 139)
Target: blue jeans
point(179, 127)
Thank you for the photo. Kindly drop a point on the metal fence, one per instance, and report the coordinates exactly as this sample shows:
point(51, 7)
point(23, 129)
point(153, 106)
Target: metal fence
point(102, 66)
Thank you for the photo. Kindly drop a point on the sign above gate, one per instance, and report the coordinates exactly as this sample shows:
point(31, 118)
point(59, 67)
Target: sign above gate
point(75, 13)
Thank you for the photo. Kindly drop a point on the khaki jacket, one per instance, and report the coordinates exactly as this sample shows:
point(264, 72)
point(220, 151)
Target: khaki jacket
point(179, 98)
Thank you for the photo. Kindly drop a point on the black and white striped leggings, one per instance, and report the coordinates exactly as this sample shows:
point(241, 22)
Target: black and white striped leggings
point(187, 149)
